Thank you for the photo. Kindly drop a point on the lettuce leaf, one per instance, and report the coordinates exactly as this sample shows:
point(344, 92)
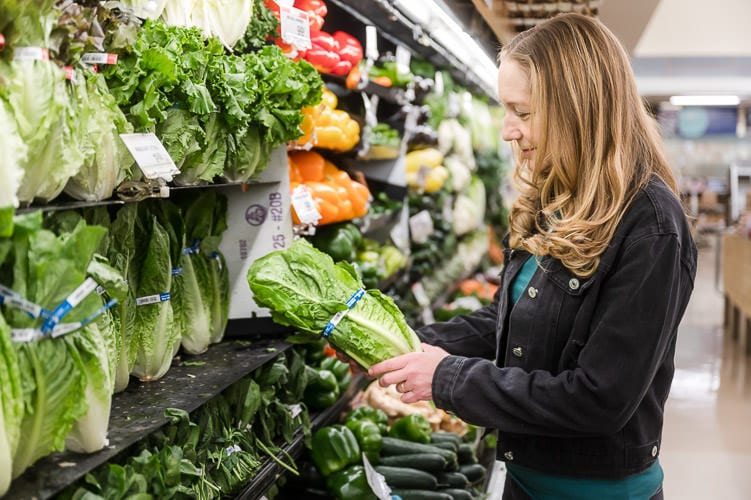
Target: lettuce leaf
point(157, 338)
point(303, 288)
point(11, 405)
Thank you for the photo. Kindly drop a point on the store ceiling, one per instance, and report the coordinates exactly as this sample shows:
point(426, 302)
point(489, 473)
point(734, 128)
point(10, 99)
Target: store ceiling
point(677, 46)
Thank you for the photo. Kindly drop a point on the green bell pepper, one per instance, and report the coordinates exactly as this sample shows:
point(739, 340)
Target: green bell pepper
point(333, 448)
point(375, 415)
point(369, 438)
point(340, 241)
point(413, 427)
point(322, 390)
point(344, 382)
point(339, 369)
point(350, 484)
point(332, 364)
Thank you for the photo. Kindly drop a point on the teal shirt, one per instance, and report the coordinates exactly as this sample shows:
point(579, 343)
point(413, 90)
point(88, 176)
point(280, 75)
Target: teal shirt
point(542, 486)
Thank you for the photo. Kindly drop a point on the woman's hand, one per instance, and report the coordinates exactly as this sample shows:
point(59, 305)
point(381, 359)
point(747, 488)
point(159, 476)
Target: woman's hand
point(412, 373)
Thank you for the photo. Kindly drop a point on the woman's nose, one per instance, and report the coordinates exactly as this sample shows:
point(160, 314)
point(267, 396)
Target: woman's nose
point(510, 132)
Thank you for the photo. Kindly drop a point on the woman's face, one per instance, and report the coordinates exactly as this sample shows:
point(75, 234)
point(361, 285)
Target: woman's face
point(514, 94)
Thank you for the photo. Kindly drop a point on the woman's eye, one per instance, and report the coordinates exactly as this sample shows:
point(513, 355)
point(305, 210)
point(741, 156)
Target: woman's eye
point(522, 116)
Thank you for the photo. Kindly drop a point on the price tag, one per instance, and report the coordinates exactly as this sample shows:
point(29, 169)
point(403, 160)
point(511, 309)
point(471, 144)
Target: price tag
point(295, 410)
point(421, 226)
point(422, 176)
point(149, 153)
point(304, 206)
point(295, 27)
point(440, 86)
point(375, 480)
point(23, 335)
point(99, 58)
point(64, 328)
point(371, 43)
point(153, 299)
point(399, 235)
point(403, 57)
point(424, 302)
point(70, 73)
point(31, 54)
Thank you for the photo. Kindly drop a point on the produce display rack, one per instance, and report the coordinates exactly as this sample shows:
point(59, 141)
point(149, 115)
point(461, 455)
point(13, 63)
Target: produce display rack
point(271, 470)
point(139, 410)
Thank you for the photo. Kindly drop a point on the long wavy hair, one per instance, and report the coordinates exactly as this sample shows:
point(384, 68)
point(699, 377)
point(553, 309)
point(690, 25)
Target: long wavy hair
point(597, 145)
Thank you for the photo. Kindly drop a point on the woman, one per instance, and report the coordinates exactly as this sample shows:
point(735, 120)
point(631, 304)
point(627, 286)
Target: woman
point(573, 361)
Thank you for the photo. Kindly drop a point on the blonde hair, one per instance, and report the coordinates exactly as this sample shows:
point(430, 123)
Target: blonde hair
point(597, 145)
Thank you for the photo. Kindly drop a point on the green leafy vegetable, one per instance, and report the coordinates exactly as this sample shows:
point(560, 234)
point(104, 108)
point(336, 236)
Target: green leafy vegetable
point(304, 289)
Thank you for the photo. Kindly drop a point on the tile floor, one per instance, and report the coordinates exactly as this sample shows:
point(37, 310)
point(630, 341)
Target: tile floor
point(706, 450)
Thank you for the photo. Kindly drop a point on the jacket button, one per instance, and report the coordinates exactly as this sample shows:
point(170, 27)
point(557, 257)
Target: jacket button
point(532, 292)
point(573, 284)
point(654, 451)
point(508, 455)
point(518, 351)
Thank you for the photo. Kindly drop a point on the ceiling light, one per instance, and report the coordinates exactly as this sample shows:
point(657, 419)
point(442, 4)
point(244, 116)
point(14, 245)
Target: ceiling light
point(705, 100)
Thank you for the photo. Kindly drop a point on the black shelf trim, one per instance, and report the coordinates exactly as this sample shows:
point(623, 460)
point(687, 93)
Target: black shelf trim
point(139, 410)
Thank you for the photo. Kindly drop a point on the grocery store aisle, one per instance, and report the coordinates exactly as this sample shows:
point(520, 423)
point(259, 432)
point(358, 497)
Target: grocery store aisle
point(706, 450)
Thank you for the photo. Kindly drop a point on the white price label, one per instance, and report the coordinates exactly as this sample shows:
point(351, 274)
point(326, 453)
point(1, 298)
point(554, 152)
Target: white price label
point(440, 86)
point(152, 299)
point(64, 328)
point(376, 481)
point(421, 226)
point(23, 335)
point(399, 235)
point(295, 410)
point(295, 27)
point(403, 58)
point(31, 54)
point(149, 153)
point(371, 43)
point(304, 206)
point(99, 58)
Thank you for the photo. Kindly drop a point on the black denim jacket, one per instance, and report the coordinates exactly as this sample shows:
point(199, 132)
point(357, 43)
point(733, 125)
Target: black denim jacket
point(575, 375)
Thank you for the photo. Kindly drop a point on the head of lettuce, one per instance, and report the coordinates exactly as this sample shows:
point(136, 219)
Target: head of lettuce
point(305, 289)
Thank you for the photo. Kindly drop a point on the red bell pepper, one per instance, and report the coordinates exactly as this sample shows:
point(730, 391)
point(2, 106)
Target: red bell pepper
point(341, 68)
point(316, 10)
point(323, 40)
point(322, 59)
point(318, 7)
point(350, 48)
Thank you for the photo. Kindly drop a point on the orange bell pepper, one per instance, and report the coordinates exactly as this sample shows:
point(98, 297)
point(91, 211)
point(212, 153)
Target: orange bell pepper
point(309, 165)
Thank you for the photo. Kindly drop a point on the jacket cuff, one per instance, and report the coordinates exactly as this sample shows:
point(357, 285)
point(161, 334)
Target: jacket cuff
point(444, 379)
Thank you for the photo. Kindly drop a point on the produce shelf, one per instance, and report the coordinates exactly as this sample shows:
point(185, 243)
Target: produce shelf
point(270, 471)
point(139, 410)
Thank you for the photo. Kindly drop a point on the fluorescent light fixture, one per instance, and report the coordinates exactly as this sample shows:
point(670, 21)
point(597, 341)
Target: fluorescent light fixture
point(444, 29)
point(705, 100)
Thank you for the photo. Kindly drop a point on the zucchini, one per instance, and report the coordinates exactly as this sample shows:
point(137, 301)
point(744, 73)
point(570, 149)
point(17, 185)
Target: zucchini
point(446, 445)
point(466, 454)
point(394, 446)
point(443, 436)
point(407, 477)
point(430, 462)
point(422, 495)
point(474, 472)
point(452, 480)
point(458, 493)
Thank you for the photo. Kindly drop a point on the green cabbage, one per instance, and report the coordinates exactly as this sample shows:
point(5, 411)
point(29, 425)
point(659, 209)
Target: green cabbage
point(304, 289)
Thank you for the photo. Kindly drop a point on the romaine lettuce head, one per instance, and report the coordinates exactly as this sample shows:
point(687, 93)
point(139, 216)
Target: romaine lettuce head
point(304, 289)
